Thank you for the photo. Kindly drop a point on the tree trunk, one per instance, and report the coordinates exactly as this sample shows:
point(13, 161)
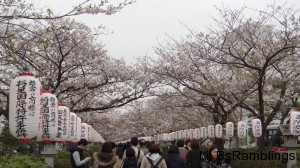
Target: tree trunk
point(261, 141)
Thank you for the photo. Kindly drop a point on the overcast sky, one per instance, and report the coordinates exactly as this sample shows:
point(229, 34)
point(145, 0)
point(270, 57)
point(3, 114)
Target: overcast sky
point(139, 27)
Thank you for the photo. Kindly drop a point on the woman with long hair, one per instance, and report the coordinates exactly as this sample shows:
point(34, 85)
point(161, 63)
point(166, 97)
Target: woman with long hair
point(106, 158)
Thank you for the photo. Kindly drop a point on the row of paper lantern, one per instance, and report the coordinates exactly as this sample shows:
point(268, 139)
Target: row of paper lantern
point(217, 131)
point(209, 132)
point(35, 112)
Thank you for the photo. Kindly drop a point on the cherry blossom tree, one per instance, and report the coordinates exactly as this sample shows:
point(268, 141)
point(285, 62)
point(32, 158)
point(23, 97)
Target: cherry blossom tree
point(20, 9)
point(151, 116)
point(245, 62)
point(71, 62)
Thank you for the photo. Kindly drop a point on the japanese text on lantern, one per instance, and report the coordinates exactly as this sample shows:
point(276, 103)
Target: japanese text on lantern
point(52, 112)
point(296, 124)
point(45, 121)
point(32, 98)
point(258, 128)
point(72, 126)
point(21, 108)
point(59, 123)
point(242, 130)
point(65, 122)
point(83, 131)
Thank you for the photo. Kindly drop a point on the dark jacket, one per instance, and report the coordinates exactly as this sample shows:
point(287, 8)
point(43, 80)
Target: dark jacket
point(130, 162)
point(175, 161)
point(105, 160)
point(194, 157)
point(72, 150)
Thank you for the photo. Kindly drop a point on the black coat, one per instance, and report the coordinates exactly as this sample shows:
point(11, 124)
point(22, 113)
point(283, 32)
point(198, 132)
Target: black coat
point(194, 158)
point(80, 151)
point(175, 161)
point(130, 163)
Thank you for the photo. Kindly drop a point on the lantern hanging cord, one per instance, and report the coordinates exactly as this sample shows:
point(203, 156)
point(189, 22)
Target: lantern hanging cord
point(22, 54)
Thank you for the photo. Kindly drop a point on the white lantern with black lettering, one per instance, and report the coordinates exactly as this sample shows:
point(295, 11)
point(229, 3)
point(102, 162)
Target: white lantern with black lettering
point(211, 131)
point(219, 131)
point(197, 133)
point(72, 127)
point(229, 129)
point(179, 134)
point(184, 134)
point(175, 135)
point(84, 131)
point(25, 107)
point(295, 122)
point(256, 128)
point(49, 121)
point(78, 130)
point(89, 133)
point(203, 132)
point(242, 129)
point(191, 134)
point(93, 135)
point(63, 123)
point(172, 136)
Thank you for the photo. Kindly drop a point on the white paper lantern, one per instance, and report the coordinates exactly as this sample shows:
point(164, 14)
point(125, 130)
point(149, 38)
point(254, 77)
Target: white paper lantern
point(169, 136)
point(78, 130)
point(25, 107)
point(84, 131)
point(166, 137)
point(63, 123)
point(242, 129)
point(89, 133)
point(197, 133)
point(173, 136)
point(184, 134)
point(203, 132)
point(176, 135)
point(256, 127)
point(49, 121)
point(211, 131)
point(179, 134)
point(94, 135)
point(229, 129)
point(187, 135)
point(191, 133)
point(72, 127)
point(295, 122)
point(219, 131)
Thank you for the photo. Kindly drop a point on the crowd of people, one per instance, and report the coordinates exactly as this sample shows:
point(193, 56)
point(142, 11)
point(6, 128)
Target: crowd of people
point(143, 154)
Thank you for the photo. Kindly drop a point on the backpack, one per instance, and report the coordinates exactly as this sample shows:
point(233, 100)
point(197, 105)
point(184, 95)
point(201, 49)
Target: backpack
point(156, 165)
point(129, 164)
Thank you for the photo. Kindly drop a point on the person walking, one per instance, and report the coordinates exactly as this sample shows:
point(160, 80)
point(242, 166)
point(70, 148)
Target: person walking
point(174, 160)
point(106, 158)
point(76, 154)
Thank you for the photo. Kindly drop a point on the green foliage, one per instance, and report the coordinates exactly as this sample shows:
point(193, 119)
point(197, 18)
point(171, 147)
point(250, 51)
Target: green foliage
point(10, 143)
point(21, 161)
point(62, 159)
